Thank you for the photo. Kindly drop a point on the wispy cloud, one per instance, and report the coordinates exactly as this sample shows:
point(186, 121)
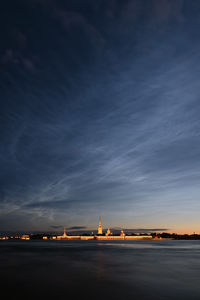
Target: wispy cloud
point(109, 122)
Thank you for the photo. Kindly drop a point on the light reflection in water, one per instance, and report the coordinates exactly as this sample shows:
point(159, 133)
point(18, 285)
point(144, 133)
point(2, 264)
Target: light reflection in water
point(108, 270)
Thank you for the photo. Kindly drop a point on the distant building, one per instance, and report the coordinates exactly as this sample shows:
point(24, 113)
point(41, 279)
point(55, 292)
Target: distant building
point(100, 235)
point(25, 237)
point(64, 234)
point(108, 232)
point(122, 233)
point(100, 228)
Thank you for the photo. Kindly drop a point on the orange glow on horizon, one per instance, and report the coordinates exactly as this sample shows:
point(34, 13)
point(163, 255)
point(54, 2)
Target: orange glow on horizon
point(183, 231)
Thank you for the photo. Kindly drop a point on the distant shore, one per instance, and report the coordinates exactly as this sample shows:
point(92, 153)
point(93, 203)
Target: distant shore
point(103, 237)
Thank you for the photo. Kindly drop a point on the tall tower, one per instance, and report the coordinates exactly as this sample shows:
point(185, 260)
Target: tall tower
point(99, 228)
point(122, 233)
point(64, 234)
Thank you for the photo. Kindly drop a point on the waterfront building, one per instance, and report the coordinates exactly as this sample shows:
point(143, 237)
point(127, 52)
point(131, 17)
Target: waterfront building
point(25, 237)
point(122, 233)
point(64, 234)
point(100, 231)
point(100, 236)
point(108, 232)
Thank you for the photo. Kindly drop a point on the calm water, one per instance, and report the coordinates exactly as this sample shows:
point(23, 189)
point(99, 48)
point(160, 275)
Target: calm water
point(134, 270)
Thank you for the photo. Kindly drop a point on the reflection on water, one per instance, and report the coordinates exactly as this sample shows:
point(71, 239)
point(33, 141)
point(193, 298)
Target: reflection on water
point(137, 270)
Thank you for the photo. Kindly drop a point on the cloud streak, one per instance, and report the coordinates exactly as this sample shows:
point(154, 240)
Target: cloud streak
point(109, 123)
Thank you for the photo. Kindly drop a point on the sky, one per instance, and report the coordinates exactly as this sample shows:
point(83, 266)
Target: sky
point(100, 115)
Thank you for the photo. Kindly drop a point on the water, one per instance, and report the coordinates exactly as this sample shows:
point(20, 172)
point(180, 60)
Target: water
point(137, 270)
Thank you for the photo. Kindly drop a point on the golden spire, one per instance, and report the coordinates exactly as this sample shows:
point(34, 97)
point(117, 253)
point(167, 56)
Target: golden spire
point(122, 233)
point(108, 232)
point(64, 234)
point(100, 228)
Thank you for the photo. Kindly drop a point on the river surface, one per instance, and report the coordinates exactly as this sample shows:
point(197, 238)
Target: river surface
point(137, 270)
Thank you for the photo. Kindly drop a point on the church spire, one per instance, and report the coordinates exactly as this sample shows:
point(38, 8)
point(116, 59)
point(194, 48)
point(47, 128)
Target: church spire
point(64, 234)
point(99, 228)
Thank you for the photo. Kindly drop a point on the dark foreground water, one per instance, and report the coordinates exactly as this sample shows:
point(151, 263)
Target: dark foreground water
point(136, 270)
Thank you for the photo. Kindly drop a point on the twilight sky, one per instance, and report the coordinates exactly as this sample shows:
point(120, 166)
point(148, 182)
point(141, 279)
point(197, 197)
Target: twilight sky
point(100, 114)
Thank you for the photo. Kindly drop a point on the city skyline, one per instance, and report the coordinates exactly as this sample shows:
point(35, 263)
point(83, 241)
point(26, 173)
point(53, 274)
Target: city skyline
point(101, 233)
point(99, 113)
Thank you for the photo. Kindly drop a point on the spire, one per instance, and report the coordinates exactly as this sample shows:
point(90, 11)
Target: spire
point(108, 232)
point(99, 228)
point(122, 233)
point(64, 234)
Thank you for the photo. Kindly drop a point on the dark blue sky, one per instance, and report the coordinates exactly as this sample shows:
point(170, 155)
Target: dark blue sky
point(100, 114)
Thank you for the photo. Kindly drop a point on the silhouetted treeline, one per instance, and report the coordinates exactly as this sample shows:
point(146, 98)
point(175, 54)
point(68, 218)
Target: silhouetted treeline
point(174, 236)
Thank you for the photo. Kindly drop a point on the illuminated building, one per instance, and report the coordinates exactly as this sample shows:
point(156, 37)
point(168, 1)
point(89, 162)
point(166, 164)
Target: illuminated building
point(68, 237)
point(100, 227)
point(122, 233)
point(25, 237)
point(64, 234)
point(108, 232)
point(99, 236)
